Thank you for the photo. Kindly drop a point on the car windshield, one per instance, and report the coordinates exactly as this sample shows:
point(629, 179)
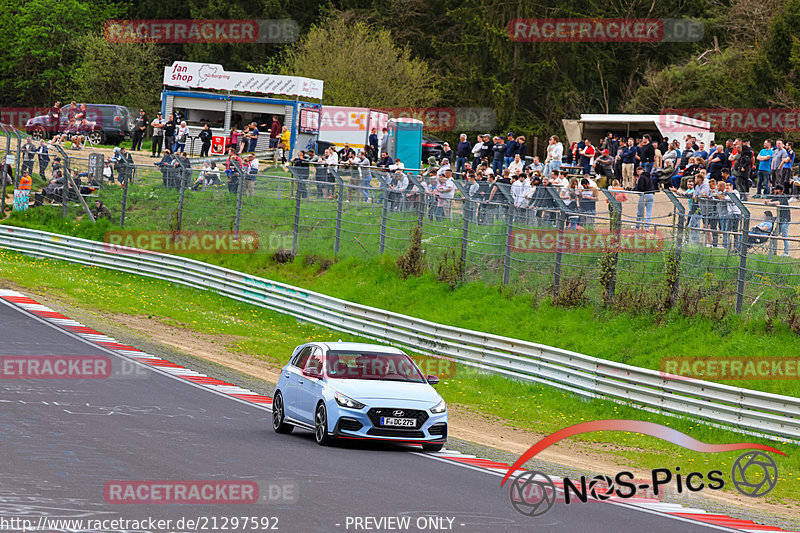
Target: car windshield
point(375, 366)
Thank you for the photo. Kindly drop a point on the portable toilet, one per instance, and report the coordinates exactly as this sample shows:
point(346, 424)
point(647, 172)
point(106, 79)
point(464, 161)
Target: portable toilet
point(405, 141)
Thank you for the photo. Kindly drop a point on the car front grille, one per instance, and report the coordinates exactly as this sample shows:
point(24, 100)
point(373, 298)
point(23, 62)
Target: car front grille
point(382, 432)
point(376, 413)
point(438, 429)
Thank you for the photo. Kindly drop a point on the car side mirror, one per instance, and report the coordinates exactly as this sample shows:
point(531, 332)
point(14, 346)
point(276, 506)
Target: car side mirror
point(433, 380)
point(312, 373)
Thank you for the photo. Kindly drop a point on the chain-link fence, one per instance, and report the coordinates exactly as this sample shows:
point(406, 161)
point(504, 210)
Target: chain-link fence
point(616, 244)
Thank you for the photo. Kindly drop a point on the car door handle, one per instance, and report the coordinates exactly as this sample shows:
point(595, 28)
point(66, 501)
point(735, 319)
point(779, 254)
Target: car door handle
point(300, 381)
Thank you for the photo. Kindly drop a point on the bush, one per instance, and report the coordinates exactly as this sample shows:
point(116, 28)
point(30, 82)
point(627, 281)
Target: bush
point(412, 262)
point(571, 293)
point(450, 270)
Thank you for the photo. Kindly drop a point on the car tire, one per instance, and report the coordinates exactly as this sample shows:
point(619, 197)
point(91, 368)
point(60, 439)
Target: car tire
point(278, 416)
point(97, 137)
point(321, 434)
point(432, 447)
point(39, 133)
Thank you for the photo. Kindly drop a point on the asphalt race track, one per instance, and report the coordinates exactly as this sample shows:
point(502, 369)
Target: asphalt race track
point(63, 440)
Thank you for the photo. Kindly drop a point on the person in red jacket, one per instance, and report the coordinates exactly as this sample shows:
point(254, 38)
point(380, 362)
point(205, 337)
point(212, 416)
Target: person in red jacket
point(274, 133)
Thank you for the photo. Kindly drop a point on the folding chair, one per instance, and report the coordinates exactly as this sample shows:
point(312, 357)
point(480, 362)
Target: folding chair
point(760, 242)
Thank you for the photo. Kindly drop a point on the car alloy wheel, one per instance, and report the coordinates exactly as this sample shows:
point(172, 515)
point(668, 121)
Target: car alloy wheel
point(278, 417)
point(321, 426)
point(96, 137)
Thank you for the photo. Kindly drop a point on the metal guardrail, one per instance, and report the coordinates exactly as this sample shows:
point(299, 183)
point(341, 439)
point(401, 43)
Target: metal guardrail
point(771, 415)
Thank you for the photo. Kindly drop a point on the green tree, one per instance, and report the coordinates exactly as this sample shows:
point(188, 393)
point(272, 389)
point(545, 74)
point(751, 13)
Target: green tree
point(115, 73)
point(361, 66)
point(42, 48)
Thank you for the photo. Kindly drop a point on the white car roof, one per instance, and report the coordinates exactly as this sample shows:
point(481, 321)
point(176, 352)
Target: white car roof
point(360, 346)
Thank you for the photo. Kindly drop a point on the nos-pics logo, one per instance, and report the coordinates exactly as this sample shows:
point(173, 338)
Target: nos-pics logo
point(533, 493)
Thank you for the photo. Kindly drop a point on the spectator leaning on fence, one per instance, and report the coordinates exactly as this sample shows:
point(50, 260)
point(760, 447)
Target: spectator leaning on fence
point(44, 159)
point(782, 200)
point(646, 189)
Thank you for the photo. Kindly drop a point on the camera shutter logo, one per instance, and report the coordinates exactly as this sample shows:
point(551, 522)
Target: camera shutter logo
point(758, 465)
point(532, 493)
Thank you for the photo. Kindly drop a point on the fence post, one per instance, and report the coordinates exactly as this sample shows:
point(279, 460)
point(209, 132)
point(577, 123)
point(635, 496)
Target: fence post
point(124, 207)
point(507, 254)
point(384, 203)
point(339, 206)
point(615, 226)
point(64, 181)
point(19, 157)
point(4, 173)
point(180, 204)
point(561, 218)
point(679, 237)
point(239, 193)
point(743, 244)
point(296, 224)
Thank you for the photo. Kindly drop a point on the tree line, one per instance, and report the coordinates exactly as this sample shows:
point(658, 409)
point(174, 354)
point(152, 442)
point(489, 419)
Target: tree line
point(449, 53)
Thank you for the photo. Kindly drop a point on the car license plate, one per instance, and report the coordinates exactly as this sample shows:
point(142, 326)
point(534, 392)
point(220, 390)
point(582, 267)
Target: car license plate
point(399, 422)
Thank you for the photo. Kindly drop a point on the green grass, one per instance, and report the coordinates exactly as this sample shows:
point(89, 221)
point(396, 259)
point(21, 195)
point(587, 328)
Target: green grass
point(268, 336)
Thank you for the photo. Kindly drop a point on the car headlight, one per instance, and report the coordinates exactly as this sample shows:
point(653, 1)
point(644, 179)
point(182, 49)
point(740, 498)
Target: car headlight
point(350, 403)
point(440, 407)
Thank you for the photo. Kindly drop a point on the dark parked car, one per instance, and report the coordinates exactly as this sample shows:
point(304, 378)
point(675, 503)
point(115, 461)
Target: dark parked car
point(431, 146)
point(111, 124)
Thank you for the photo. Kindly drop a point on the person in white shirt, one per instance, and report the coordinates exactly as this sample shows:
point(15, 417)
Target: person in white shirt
point(558, 180)
point(180, 138)
point(518, 190)
point(445, 191)
point(397, 189)
point(555, 152)
point(476, 150)
point(516, 166)
point(398, 165)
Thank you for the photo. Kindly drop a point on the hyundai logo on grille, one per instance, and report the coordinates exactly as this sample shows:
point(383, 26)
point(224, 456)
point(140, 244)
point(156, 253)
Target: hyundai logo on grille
point(398, 413)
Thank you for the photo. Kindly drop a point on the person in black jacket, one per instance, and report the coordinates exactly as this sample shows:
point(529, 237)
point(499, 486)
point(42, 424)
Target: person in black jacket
point(205, 138)
point(139, 130)
point(522, 149)
point(646, 190)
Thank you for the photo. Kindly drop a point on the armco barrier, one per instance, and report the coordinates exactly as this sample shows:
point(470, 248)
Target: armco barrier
point(747, 410)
